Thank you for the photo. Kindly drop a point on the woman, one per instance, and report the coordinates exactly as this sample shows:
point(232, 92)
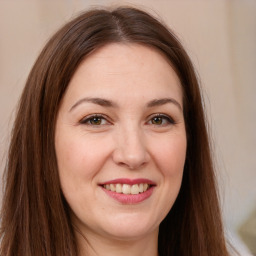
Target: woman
point(109, 152)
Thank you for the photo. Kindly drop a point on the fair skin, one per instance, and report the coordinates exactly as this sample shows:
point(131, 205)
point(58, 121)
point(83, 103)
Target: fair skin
point(121, 145)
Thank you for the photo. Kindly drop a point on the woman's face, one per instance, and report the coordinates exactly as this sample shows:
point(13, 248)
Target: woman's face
point(121, 142)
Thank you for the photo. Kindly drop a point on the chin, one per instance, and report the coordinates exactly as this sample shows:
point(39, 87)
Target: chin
point(130, 235)
point(130, 229)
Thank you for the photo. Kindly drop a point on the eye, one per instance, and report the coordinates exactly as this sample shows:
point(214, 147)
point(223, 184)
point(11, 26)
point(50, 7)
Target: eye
point(94, 120)
point(161, 120)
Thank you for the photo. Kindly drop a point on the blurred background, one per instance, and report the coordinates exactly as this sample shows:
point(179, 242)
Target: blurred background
point(220, 37)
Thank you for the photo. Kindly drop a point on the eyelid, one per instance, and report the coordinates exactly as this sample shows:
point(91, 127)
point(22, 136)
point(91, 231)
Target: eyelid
point(87, 118)
point(170, 120)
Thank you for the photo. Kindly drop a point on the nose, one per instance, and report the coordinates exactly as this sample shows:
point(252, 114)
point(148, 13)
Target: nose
point(130, 149)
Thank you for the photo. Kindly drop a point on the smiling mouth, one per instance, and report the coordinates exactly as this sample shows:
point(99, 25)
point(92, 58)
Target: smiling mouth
point(128, 189)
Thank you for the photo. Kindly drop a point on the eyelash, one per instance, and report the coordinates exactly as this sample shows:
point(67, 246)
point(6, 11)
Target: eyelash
point(89, 119)
point(167, 118)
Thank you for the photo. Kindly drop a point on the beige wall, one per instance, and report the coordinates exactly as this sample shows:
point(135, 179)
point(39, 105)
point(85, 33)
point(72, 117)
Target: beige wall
point(220, 36)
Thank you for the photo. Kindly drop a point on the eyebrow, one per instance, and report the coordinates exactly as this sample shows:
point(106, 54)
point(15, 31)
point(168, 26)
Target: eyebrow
point(159, 102)
point(109, 103)
point(98, 101)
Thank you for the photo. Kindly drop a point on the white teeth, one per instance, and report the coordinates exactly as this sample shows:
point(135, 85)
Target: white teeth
point(112, 187)
point(127, 189)
point(135, 189)
point(118, 188)
point(145, 187)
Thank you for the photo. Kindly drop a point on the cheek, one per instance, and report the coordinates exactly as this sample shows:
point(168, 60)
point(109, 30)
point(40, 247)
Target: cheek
point(80, 158)
point(78, 164)
point(170, 155)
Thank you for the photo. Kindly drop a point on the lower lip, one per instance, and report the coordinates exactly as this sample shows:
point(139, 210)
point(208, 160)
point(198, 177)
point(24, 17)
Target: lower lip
point(129, 199)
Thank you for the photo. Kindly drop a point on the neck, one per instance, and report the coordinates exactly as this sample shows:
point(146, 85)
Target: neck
point(93, 245)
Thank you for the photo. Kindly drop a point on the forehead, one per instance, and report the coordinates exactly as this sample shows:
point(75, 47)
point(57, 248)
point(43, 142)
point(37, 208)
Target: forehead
point(121, 68)
point(126, 57)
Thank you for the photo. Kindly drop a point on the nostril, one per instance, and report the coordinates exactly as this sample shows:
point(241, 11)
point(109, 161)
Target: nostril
point(131, 153)
point(132, 165)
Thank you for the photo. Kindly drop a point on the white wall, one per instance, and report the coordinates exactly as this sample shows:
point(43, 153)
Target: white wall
point(220, 36)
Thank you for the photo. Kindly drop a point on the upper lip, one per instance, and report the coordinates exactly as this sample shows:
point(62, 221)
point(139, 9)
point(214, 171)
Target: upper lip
point(128, 181)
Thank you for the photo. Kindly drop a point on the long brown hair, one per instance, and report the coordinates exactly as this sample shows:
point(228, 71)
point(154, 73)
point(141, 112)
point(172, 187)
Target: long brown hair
point(35, 216)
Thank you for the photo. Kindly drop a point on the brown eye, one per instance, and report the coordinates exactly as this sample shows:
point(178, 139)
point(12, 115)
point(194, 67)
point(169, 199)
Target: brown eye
point(96, 120)
point(161, 120)
point(157, 120)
